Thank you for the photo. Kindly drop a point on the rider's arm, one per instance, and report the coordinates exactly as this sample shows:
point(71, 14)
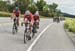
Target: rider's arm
point(19, 14)
point(39, 18)
point(13, 14)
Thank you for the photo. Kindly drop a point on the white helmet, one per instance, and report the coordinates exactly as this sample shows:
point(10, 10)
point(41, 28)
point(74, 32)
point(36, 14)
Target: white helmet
point(37, 13)
point(27, 12)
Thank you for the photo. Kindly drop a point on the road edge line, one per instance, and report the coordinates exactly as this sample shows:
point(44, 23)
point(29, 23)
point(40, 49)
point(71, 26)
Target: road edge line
point(34, 42)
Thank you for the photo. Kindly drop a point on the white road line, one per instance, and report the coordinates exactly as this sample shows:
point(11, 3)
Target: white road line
point(34, 42)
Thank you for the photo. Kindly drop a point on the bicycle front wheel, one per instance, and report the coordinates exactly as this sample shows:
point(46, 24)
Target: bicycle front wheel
point(13, 29)
point(25, 37)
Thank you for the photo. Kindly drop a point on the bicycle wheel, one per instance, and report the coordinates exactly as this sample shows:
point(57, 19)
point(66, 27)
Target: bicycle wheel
point(28, 35)
point(16, 28)
point(13, 29)
point(34, 30)
point(24, 37)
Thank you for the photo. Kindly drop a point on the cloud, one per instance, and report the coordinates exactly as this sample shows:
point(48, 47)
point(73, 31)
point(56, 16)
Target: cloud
point(67, 6)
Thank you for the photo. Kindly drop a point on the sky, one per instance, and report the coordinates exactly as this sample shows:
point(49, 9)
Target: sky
point(67, 6)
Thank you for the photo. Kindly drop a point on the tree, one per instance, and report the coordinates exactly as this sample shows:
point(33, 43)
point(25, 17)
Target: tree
point(3, 6)
point(46, 8)
point(52, 8)
point(40, 4)
point(23, 4)
point(32, 8)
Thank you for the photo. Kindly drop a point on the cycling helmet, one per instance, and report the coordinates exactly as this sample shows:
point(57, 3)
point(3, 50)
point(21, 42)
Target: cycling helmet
point(16, 8)
point(36, 13)
point(27, 12)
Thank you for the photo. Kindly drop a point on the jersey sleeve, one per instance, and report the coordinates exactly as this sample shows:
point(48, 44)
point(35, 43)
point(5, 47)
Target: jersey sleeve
point(19, 12)
point(13, 11)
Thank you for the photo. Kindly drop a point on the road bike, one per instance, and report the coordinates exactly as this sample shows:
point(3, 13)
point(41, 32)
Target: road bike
point(15, 25)
point(35, 27)
point(27, 31)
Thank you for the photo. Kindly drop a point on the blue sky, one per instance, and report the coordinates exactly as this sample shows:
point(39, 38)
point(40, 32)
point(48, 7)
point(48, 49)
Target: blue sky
point(67, 6)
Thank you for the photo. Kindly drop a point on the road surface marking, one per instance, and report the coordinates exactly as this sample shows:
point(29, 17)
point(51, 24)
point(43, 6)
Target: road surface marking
point(34, 42)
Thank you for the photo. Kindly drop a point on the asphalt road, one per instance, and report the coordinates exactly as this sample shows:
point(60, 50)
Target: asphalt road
point(53, 39)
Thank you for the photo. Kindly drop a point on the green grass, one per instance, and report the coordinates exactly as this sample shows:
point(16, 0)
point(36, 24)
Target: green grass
point(5, 14)
point(70, 25)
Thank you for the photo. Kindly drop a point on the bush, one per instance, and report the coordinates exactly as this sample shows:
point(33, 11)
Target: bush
point(70, 25)
point(3, 14)
point(65, 26)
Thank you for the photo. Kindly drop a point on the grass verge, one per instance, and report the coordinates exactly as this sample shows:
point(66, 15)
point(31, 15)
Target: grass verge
point(70, 25)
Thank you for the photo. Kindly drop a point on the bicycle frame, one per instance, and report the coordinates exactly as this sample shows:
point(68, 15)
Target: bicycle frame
point(27, 32)
point(15, 26)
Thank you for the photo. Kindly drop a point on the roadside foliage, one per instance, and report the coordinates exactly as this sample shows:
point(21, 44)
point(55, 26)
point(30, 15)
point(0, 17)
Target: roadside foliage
point(70, 25)
point(47, 10)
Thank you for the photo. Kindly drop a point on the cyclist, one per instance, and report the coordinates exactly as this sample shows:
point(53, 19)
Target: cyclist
point(28, 18)
point(16, 14)
point(36, 18)
point(28, 21)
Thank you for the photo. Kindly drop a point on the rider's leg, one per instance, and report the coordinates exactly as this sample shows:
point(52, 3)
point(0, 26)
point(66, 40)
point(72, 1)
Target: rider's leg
point(34, 28)
point(38, 25)
point(30, 28)
point(25, 27)
point(18, 22)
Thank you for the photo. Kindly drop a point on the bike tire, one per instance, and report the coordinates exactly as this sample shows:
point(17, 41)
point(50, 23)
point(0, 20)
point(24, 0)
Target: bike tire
point(13, 29)
point(24, 37)
point(16, 28)
point(33, 31)
point(29, 36)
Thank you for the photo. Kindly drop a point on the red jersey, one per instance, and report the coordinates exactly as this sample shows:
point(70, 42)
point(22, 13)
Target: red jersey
point(36, 18)
point(29, 17)
point(16, 13)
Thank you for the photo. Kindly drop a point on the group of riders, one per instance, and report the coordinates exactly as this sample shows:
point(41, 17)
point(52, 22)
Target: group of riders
point(28, 17)
point(56, 19)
